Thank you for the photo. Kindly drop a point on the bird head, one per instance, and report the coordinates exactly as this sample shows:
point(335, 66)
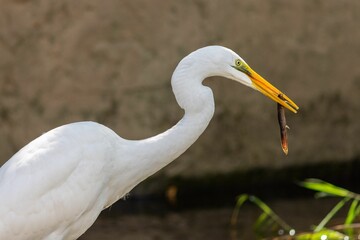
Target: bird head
point(237, 69)
point(220, 61)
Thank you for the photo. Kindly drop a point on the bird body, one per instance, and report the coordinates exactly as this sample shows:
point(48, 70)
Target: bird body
point(57, 185)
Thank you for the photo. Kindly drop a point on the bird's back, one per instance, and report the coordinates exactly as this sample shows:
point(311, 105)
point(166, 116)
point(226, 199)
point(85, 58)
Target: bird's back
point(56, 186)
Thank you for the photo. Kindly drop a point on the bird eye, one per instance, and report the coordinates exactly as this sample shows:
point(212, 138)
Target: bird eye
point(238, 62)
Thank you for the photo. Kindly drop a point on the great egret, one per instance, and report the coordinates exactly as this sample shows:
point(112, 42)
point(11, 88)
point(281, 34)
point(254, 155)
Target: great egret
point(57, 185)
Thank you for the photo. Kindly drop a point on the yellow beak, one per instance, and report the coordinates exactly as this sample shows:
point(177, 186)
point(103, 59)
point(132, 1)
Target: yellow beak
point(272, 92)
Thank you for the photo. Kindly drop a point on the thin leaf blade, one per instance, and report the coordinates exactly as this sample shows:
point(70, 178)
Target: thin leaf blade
point(325, 187)
point(240, 201)
point(331, 214)
point(352, 212)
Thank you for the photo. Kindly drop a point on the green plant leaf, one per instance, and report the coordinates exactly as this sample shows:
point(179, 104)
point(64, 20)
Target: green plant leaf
point(357, 211)
point(331, 214)
point(352, 212)
point(325, 187)
point(266, 209)
point(263, 206)
point(322, 195)
point(261, 221)
point(239, 202)
point(323, 234)
point(351, 217)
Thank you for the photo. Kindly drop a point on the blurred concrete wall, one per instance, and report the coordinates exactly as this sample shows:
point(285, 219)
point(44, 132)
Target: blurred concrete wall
point(111, 61)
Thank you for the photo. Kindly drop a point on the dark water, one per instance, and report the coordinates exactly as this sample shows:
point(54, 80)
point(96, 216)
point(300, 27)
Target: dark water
point(153, 221)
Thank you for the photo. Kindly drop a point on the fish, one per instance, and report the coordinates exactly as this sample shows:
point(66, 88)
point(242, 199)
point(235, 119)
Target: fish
point(283, 126)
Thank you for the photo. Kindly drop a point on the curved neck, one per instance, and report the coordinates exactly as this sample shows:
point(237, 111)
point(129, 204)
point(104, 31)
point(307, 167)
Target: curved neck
point(152, 154)
point(164, 148)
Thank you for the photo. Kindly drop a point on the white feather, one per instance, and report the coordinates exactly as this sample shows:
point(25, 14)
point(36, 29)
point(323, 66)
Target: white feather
point(57, 185)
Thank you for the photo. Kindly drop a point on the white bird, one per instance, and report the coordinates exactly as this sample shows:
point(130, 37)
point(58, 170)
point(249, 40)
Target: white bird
point(57, 185)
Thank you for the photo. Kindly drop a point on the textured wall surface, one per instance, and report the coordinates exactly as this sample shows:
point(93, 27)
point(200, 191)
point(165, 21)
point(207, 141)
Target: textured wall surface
point(111, 61)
